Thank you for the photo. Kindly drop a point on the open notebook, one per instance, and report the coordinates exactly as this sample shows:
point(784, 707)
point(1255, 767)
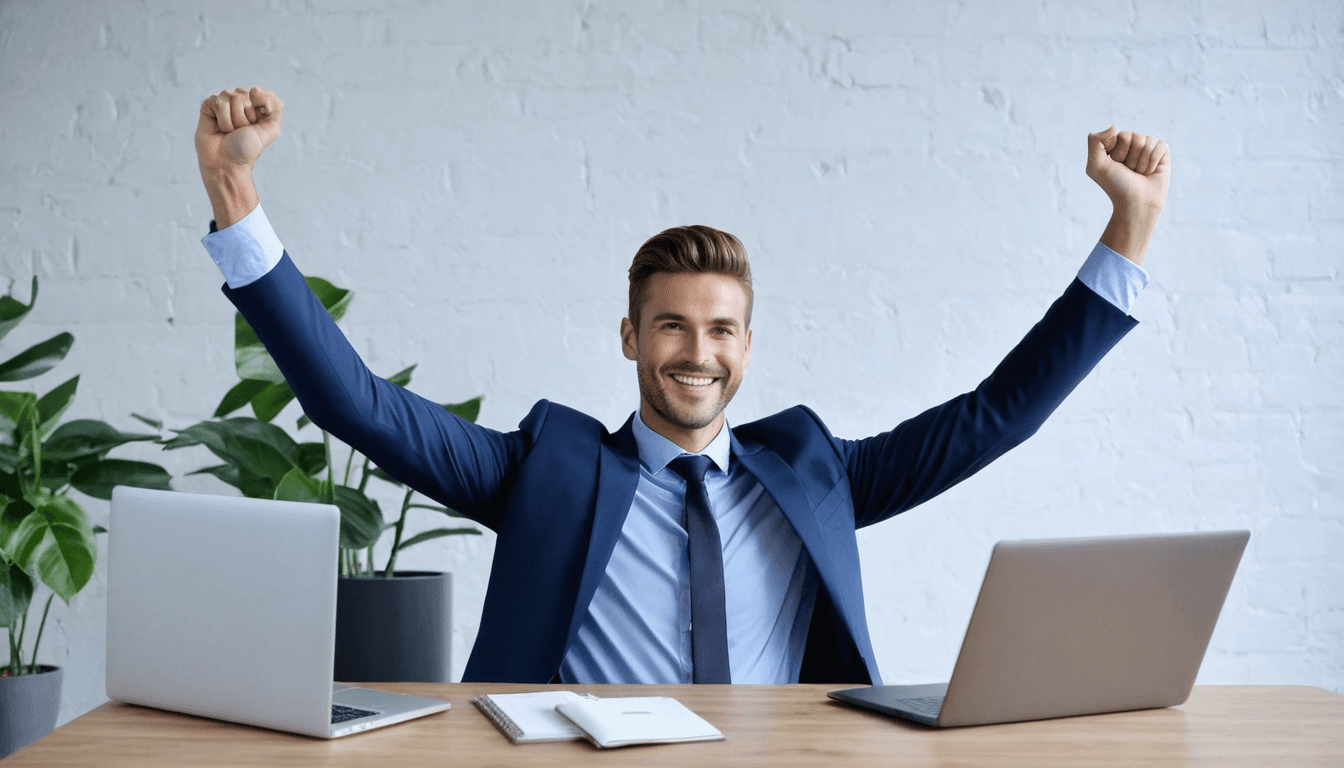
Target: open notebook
point(612, 722)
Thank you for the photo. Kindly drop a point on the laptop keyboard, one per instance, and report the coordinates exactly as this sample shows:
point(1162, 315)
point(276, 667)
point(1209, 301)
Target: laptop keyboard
point(927, 705)
point(341, 713)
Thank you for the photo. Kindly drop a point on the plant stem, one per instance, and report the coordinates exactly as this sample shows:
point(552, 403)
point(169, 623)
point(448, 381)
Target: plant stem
point(13, 649)
point(364, 481)
point(329, 492)
point(348, 461)
point(396, 541)
point(16, 647)
point(37, 452)
point(370, 555)
point(41, 626)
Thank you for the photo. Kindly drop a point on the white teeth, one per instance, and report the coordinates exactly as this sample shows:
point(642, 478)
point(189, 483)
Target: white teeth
point(693, 381)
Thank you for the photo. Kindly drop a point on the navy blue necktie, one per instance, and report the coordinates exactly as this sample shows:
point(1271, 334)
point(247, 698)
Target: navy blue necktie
point(709, 621)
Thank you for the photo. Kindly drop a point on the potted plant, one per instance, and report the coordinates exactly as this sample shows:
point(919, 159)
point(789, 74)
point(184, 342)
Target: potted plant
point(390, 625)
point(45, 536)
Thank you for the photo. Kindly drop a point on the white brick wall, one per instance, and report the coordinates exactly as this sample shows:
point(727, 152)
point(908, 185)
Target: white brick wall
point(908, 178)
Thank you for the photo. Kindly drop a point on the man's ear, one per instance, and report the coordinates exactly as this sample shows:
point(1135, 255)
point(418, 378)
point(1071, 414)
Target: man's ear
point(629, 339)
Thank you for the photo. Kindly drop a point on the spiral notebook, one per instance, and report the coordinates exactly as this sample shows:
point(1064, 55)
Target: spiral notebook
point(530, 717)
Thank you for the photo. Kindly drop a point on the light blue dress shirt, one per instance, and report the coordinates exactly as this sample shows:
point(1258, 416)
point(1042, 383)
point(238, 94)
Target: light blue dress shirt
point(637, 629)
point(638, 623)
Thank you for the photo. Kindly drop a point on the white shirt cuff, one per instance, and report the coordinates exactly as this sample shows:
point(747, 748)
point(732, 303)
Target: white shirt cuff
point(246, 251)
point(1113, 277)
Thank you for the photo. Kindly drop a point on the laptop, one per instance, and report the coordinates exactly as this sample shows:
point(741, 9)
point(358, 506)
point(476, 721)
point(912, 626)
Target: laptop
point(225, 607)
point(1069, 627)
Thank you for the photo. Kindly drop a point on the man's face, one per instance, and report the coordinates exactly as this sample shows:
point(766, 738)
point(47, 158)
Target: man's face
point(690, 351)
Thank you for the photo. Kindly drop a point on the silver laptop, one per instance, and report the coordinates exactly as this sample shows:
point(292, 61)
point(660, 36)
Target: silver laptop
point(1075, 627)
point(225, 607)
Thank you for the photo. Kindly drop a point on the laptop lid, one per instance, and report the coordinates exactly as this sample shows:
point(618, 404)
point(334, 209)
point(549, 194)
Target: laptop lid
point(1068, 627)
point(223, 607)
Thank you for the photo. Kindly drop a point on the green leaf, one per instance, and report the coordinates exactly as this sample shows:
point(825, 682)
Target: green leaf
point(468, 410)
point(312, 458)
point(296, 486)
point(252, 486)
point(402, 378)
point(10, 460)
point(243, 335)
point(303, 421)
point(11, 517)
point(381, 474)
point(86, 438)
point(268, 403)
point(37, 359)
point(56, 541)
point(334, 300)
point(436, 508)
point(16, 594)
point(361, 518)
point(98, 479)
point(145, 420)
point(437, 533)
point(254, 362)
point(56, 475)
point(12, 311)
point(253, 446)
point(226, 472)
point(9, 484)
point(52, 405)
point(15, 408)
point(241, 394)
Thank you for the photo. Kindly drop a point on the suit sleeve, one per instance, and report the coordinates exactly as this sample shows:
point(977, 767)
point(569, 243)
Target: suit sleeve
point(464, 466)
point(924, 456)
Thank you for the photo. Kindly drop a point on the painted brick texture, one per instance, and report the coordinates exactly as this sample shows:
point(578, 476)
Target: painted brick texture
point(908, 178)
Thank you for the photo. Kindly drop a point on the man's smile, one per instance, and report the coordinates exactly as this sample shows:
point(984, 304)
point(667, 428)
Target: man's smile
point(693, 381)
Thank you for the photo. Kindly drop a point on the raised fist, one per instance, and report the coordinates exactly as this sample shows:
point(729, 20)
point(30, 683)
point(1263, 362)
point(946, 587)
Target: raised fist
point(1133, 169)
point(234, 127)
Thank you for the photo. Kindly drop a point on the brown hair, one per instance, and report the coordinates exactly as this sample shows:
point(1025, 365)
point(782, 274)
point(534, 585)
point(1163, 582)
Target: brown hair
point(696, 248)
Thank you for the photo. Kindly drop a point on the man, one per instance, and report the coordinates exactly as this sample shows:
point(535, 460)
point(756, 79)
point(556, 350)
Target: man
point(673, 550)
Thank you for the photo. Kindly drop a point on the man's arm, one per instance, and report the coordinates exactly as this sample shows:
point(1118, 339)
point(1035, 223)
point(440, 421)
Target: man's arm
point(460, 464)
point(233, 130)
point(924, 456)
point(1134, 170)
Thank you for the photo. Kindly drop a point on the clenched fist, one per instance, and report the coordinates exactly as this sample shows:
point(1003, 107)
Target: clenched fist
point(1133, 169)
point(234, 127)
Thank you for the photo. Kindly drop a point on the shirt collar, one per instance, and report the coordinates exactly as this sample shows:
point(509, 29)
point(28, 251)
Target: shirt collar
point(656, 451)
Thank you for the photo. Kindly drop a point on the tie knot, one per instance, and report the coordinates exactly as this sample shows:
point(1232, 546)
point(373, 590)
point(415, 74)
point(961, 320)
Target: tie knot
point(691, 467)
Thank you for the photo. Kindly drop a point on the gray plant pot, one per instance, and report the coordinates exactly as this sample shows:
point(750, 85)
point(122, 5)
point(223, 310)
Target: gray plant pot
point(28, 707)
point(394, 630)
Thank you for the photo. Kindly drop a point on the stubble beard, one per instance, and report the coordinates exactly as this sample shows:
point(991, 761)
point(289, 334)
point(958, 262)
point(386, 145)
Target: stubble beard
point(651, 389)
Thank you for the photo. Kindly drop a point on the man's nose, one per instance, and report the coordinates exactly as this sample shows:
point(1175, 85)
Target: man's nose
point(697, 347)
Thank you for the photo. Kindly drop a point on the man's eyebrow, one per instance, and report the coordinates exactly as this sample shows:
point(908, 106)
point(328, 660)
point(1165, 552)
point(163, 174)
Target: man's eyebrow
point(726, 321)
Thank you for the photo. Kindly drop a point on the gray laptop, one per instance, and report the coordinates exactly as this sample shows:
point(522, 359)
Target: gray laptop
point(1075, 627)
point(225, 607)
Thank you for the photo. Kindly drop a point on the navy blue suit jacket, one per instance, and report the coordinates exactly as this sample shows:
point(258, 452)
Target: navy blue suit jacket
point(557, 490)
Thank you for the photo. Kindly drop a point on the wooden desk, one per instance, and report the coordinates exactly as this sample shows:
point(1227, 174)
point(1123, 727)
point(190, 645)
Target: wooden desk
point(765, 725)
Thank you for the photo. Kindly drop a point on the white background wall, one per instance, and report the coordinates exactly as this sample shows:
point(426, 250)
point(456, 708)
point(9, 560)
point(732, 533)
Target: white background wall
point(908, 178)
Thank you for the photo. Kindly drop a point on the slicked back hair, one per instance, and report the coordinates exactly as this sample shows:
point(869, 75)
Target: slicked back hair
point(696, 248)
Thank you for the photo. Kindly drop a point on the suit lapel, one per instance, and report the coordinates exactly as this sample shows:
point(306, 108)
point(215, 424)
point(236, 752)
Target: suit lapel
point(617, 479)
point(784, 487)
